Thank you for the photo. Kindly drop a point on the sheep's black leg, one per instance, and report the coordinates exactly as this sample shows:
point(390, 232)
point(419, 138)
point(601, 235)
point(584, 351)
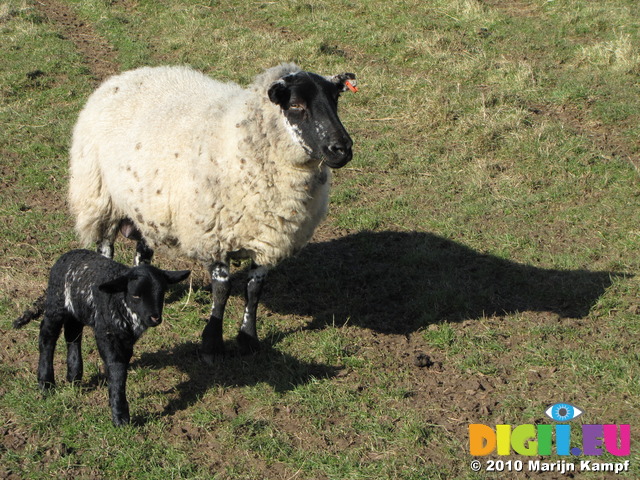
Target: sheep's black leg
point(105, 245)
point(116, 356)
point(49, 332)
point(73, 336)
point(105, 248)
point(212, 343)
point(144, 253)
point(248, 336)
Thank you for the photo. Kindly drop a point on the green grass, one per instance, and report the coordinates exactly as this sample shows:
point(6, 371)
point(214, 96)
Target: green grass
point(489, 220)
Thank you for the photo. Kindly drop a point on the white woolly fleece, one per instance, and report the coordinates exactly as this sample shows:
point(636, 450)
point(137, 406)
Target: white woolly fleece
point(203, 166)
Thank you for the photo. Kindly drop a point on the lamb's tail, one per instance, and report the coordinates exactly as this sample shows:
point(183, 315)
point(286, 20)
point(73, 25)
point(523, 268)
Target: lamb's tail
point(32, 313)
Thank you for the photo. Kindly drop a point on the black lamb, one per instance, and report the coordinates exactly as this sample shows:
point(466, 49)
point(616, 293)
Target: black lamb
point(118, 302)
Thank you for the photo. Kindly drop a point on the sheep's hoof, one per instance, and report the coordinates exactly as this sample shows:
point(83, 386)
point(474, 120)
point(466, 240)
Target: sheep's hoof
point(212, 358)
point(247, 343)
point(209, 359)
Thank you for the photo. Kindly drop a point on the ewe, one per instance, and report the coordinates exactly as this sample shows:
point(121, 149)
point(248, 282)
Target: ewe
point(171, 157)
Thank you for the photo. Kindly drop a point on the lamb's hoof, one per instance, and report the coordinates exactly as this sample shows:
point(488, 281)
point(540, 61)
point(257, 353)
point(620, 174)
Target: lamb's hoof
point(47, 387)
point(74, 380)
point(120, 420)
point(247, 343)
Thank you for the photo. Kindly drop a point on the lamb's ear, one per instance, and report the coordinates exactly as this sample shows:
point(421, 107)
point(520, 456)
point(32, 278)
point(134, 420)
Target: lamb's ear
point(345, 81)
point(175, 276)
point(279, 93)
point(116, 285)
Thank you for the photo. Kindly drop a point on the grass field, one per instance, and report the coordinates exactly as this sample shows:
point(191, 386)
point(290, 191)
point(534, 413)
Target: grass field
point(479, 262)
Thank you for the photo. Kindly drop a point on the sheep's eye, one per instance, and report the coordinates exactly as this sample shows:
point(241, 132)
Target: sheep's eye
point(296, 106)
point(135, 297)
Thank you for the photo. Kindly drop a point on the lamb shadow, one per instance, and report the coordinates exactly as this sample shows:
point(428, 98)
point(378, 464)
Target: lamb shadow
point(399, 282)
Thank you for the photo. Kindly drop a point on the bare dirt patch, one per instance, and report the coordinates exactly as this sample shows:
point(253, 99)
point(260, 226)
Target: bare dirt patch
point(515, 8)
point(98, 54)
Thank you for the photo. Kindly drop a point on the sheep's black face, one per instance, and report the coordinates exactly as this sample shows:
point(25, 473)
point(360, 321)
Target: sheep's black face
point(309, 103)
point(144, 287)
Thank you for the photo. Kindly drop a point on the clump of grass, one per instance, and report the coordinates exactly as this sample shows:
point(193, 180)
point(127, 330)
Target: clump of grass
point(619, 54)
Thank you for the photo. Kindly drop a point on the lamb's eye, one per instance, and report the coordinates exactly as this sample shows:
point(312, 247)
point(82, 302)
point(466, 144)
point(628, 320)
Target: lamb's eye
point(296, 106)
point(135, 297)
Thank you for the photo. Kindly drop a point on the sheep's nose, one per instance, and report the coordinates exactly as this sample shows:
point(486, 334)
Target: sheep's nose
point(341, 146)
point(155, 320)
point(339, 150)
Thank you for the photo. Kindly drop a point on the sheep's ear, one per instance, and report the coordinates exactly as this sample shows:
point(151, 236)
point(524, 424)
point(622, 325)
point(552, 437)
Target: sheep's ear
point(279, 93)
point(175, 276)
point(345, 81)
point(116, 285)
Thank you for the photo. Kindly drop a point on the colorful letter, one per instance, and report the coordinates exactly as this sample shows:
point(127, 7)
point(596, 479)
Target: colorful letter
point(544, 439)
point(592, 439)
point(611, 439)
point(563, 439)
point(524, 434)
point(503, 433)
point(482, 439)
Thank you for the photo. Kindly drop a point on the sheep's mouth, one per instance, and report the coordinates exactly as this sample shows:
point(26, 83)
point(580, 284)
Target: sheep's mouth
point(337, 160)
point(154, 321)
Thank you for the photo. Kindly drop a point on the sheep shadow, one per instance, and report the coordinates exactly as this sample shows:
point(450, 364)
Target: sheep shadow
point(283, 372)
point(390, 282)
point(396, 282)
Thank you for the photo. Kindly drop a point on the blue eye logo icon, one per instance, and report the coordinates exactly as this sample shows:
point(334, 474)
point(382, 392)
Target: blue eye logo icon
point(563, 412)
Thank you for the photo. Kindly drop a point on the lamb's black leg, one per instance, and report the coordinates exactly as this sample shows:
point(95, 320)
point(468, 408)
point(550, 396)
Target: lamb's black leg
point(49, 332)
point(73, 336)
point(116, 356)
point(212, 343)
point(117, 373)
point(248, 336)
point(144, 253)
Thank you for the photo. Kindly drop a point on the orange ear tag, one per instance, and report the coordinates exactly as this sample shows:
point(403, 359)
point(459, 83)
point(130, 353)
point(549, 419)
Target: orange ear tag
point(350, 86)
